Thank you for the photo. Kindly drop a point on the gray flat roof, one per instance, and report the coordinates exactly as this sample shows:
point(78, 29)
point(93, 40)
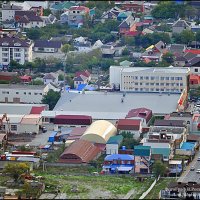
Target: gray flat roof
point(109, 105)
point(21, 86)
point(18, 109)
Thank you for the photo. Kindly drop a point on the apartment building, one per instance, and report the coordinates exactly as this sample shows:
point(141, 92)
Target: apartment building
point(14, 48)
point(143, 79)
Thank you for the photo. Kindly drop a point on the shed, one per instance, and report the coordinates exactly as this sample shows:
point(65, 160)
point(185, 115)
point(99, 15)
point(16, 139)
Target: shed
point(35, 161)
point(80, 151)
point(142, 150)
point(99, 132)
point(52, 136)
point(113, 144)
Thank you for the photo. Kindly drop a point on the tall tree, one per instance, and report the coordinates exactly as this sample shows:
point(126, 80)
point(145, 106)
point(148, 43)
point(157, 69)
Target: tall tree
point(168, 57)
point(159, 168)
point(187, 36)
point(51, 98)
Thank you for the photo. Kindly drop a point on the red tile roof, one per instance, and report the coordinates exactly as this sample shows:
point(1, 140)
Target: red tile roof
point(147, 21)
point(37, 109)
point(194, 79)
point(141, 113)
point(128, 124)
point(133, 33)
point(80, 151)
point(25, 78)
point(194, 51)
point(84, 73)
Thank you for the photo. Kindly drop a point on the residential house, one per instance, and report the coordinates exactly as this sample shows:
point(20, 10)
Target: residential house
point(180, 61)
point(128, 25)
point(50, 78)
point(187, 148)
point(79, 80)
point(142, 114)
point(123, 15)
point(59, 7)
point(175, 167)
point(28, 19)
point(62, 38)
point(97, 44)
point(113, 144)
point(83, 47)
point(23, 93)
point(180, 25)
point(51, 19)
point(194, 64)
point(76, 16)
point(47, 49)
point(194, 45)
point(172, 123)
point(64, 17)
point(194, 81)
point(177, 49)
point(118, 163)
point(130, 125)
point(155, 52)
point(14, 48)
point(186, 116)
point(108, 51)
point(142, 159)
point(111, 14)
point(8, 12)
point(25, 79)
point(148, 30)
point(134, 6)
point(38, 10)
point(177, 190)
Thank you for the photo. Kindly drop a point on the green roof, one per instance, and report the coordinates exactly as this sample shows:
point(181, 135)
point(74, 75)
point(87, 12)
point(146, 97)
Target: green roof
point(163, 151)
point(142, 147)
point(64, 5)
point(141, 150)
point(115, 139)
point(125, 63)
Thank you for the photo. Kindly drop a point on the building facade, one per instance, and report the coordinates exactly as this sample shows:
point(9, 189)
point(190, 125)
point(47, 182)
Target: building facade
point(159, 80)
point(14, 48)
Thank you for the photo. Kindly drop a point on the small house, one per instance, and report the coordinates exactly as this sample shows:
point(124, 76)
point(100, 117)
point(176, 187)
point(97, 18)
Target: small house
point(113, 144)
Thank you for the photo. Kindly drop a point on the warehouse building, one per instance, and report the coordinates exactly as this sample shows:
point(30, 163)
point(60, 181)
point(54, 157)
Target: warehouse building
point(99, 132)
point(80, 151)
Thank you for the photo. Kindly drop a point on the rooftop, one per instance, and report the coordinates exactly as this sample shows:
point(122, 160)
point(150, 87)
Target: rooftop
point(108, 106)
point(48, 44)
point(22, 87)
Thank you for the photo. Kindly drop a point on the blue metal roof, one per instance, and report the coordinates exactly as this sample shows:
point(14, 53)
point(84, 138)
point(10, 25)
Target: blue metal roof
point(188, 145)
point(119, 157)
point(81, 87)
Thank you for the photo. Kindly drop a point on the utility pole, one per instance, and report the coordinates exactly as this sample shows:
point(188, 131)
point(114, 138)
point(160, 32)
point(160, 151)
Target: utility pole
point(98, 74)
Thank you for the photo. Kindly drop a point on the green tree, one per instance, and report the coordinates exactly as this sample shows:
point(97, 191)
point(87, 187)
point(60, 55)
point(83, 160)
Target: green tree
point(197, 38)
point(46, 12)
point(65, 48)
point(34, 34)
point(168, 57)
point(159, 168)
point(61, 77)
point(15, 170)
point(37, 82)
point(15, 80)
point(187, 36)
point(128, 140)
point(125, 52)
point(69, 81)
point(51, 98)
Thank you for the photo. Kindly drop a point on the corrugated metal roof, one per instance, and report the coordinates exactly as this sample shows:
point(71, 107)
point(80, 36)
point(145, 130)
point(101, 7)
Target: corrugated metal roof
point(163, 151)
point(119, 157)
point(37, 110)
point(115, 140)
point(128, 124)
point(142, 150)
point(84, 150)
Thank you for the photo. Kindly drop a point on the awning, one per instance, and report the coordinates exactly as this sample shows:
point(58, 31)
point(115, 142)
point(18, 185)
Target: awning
point(125, 168)
point(106, 167)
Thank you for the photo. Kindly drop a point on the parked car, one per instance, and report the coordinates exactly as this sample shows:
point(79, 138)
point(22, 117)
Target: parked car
point(198, 171)
point(198, 159)
point(192, 168)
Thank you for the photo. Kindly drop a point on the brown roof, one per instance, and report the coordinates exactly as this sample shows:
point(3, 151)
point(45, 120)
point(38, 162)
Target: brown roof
point(174, 123)
point(193, 137)
point(128, 124)
point(13, 40)
point(80, 151)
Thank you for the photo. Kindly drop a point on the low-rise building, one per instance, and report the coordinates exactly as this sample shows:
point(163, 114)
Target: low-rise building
point(113, 144)
point(50, 78)
point(23, 93)
point(180, 25)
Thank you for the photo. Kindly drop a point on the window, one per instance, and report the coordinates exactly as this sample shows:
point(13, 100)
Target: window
point(141, 77)
point(136, 83)
point(141, 89)
point(167, 84)
point(162, 78)
point(172, 78)
point(176, 78)
point(3, 127)
point(162, 84)
point(196, 70)
point(147, 78)
point(140, 83)
point(157, 83)
point(4, 49)
point(4, 54)
point(181, 84)
point(40, 93)
point(157, 89)
point(17, 54)
point(13, 127)
point(17, 92)
point(152, 78)
point(136, 89)
point(29, 93)
point(177, 84)
point(167, 78)
point(24, 92)
point(17, 50)
point(152, 84)
point(136, 78)
point(35, 93)
point(147, 84)
point(5, 60)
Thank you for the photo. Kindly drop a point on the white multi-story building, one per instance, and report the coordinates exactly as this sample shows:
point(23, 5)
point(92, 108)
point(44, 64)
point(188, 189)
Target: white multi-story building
point(143, 79)
point(14, 48)
point(23, 93)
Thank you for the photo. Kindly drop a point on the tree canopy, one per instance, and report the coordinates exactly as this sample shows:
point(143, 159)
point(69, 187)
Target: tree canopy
point(51, 98)
point(16, 169)
point(159, 168)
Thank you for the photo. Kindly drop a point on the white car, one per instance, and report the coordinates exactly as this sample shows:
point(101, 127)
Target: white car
point(198, 159)
point(198, 171)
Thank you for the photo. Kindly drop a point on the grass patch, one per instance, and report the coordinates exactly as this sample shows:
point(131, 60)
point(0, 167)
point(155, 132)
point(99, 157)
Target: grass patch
point(161, 184)
point(104, 186)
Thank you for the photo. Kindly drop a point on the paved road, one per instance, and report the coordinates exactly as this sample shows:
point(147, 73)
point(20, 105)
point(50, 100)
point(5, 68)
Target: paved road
point(40, 139)
point(191, 176)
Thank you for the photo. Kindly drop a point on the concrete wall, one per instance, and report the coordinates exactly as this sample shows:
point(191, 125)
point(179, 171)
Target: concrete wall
point(112, 149)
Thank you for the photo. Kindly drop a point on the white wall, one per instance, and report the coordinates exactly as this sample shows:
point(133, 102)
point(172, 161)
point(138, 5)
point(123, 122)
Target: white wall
point(115, 72)
point(7, 14)
point(26, 98)
point(112, 149)
point(48, 55)
point(44, 4)
point(28, 128)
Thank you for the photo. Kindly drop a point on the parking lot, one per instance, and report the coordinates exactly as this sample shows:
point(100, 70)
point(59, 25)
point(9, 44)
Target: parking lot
point(191, 176)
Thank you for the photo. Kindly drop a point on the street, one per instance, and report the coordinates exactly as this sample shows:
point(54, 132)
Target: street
point(191, 176)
